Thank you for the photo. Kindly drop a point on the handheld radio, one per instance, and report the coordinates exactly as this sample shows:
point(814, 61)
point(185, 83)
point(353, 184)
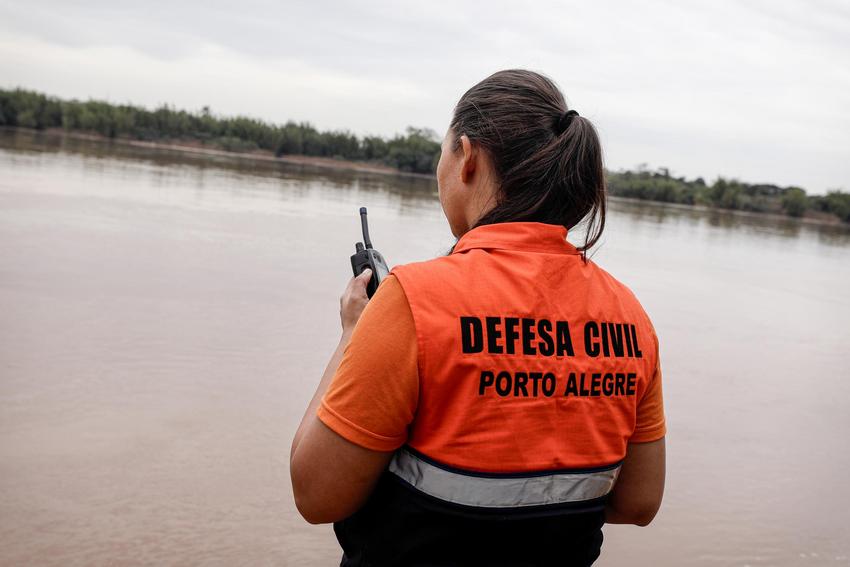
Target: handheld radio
point(367, 257)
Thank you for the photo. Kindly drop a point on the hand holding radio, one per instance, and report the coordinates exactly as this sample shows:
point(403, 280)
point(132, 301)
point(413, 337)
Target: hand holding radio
point(353, 301)
point(367, 257)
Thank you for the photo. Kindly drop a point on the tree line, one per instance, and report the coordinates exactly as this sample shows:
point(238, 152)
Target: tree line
point(417, 150)
point(660, 185)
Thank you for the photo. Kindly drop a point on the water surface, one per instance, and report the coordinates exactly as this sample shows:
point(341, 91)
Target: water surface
point(165, 320)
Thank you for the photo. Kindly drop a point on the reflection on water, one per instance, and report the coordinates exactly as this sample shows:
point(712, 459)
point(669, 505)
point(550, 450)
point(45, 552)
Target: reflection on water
point(166, 318)
point(732, 222)
point(163, 167)
point(407, 193)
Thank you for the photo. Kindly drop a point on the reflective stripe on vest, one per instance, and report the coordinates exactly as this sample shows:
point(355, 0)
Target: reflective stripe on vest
point(502, 490)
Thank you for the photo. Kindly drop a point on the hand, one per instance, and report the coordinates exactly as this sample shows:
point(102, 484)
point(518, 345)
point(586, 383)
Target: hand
point(353, 301)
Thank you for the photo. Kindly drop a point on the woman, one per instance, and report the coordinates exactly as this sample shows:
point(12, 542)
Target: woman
point(498, 405)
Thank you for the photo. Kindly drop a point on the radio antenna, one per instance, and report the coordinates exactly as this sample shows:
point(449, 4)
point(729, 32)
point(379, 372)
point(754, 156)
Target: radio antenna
point(365, 225)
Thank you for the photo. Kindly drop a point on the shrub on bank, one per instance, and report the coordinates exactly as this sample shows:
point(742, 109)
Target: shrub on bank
point(415, 151)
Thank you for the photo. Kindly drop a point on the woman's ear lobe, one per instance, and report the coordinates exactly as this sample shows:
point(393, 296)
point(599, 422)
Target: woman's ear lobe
point(470, 155)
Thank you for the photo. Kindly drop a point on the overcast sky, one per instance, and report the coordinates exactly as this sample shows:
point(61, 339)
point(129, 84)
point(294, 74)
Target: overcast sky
point(758, 90)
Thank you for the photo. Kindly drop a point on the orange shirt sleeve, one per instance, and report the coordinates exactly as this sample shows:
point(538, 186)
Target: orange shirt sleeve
point(651, 424)
point(373, 395)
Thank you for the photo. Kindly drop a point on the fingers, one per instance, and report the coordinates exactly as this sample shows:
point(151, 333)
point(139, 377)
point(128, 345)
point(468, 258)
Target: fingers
point(354, 299)
point(364, 276)
point(356, 285)
point(359, 283)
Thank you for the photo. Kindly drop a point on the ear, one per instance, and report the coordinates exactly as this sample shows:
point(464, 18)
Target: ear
point(469, 160)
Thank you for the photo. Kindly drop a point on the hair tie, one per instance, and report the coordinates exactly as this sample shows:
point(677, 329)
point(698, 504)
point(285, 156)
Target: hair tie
point(564, 121)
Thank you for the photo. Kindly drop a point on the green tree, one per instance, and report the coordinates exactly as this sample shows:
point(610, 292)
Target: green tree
point(794, 202)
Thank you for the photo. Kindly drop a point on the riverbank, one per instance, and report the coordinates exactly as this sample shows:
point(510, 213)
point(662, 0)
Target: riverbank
point(198, 148)
point(811, 217)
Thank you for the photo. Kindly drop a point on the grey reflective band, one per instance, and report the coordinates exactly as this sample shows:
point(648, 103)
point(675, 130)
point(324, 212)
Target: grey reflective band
point(502, 491)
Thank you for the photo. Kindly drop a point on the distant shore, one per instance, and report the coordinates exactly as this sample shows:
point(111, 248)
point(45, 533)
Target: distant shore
point(416, 152)
point(198, 148)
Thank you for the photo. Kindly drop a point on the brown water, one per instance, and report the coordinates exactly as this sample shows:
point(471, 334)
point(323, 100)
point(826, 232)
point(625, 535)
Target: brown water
point(165, 320)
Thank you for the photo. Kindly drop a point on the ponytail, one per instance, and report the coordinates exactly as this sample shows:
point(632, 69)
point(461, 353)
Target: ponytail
point(548, 161)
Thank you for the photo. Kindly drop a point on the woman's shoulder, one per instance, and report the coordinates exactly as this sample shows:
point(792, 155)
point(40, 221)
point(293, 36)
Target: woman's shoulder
point(618, 291)
point(604, 277)
point(427, 271)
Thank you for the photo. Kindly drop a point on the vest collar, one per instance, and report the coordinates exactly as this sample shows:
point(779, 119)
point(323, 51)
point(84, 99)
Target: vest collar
point(522, 236)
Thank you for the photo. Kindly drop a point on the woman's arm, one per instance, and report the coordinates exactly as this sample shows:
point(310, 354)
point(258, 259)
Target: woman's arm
point(640, 485)
point(331, 476)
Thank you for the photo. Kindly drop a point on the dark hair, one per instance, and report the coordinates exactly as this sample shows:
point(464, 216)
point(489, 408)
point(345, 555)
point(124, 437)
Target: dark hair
point(548, 165)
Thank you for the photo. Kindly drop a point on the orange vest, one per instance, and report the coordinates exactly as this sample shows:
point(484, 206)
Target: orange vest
point(531, 367)
point(530, 359)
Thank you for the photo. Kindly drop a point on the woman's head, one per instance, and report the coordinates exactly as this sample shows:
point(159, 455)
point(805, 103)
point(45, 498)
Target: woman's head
point(512, 154)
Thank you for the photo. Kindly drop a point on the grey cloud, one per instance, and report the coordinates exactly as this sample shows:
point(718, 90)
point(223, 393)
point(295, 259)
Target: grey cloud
point(771, 74)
